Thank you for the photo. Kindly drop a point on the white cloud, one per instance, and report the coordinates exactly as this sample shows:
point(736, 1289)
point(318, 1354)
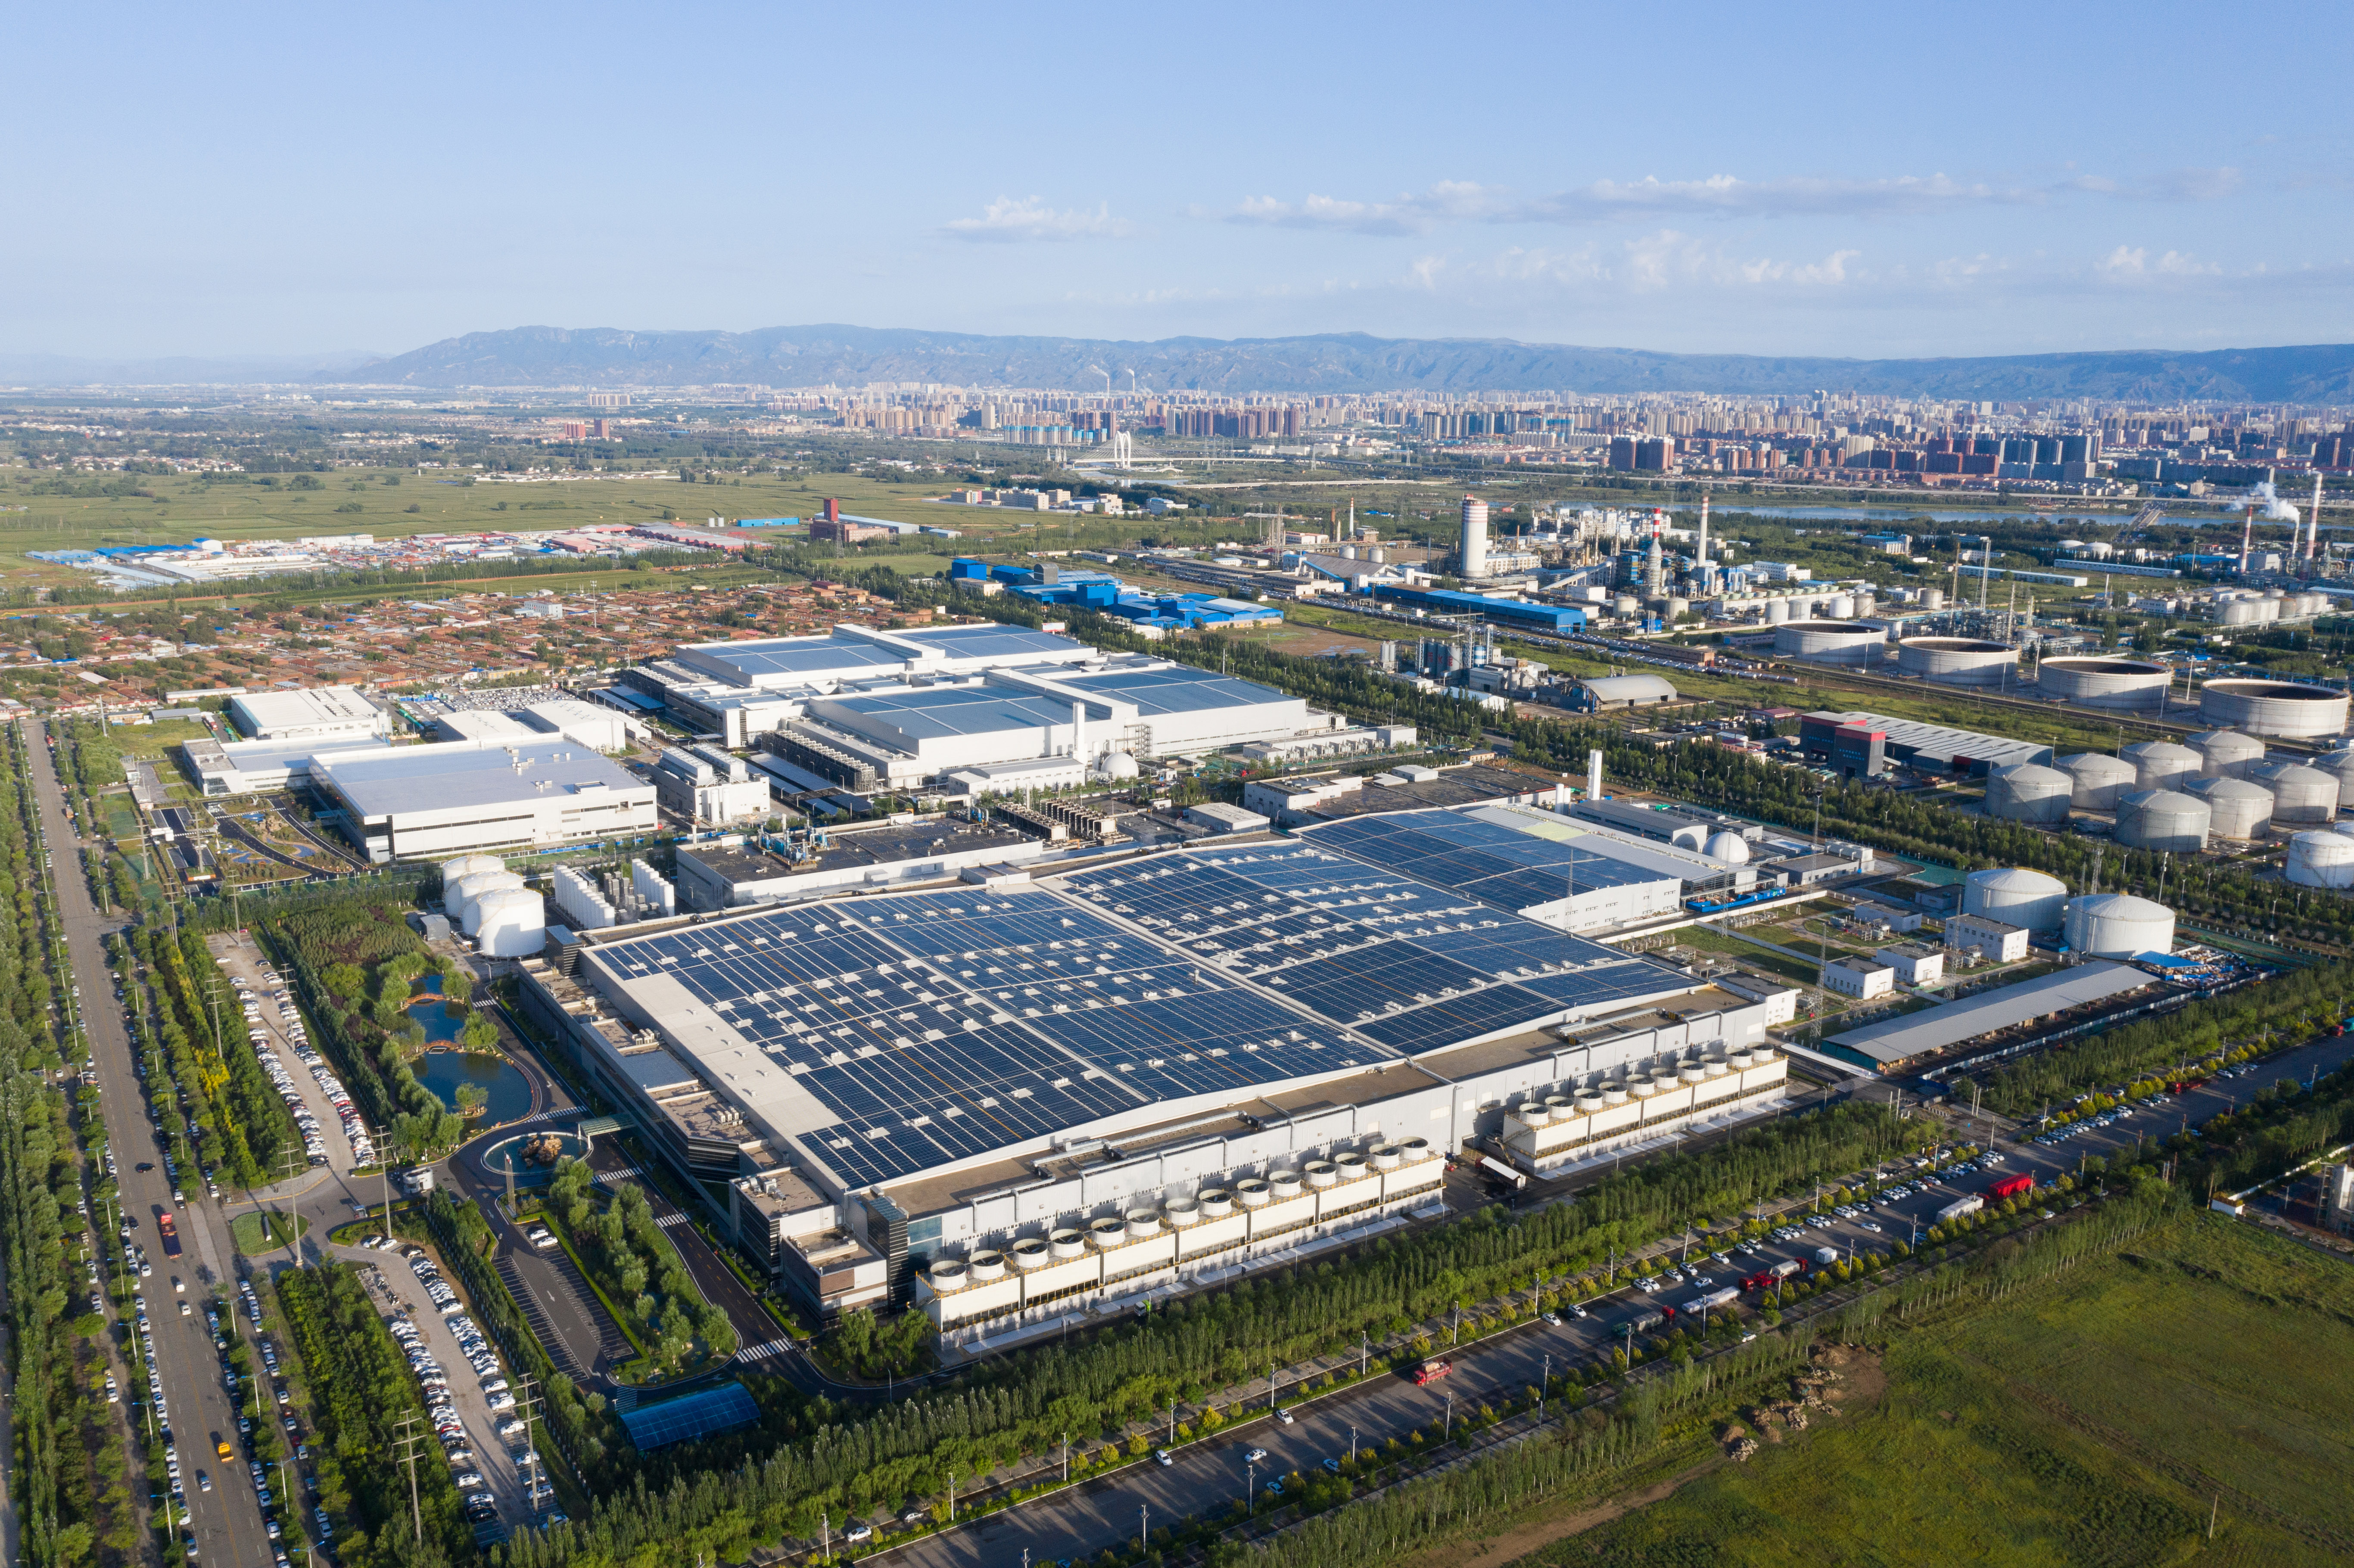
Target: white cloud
point(1008, 220)
point(1408, 214)
point(2131, 261)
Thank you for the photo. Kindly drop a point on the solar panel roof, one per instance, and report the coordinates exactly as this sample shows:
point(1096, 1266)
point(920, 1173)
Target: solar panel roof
point(934, 713)
point(1413, 966)
point(992, 642)
point(1175, 690)
point(800, 655)
point(928, 1028)
point(697, 1415)
point(1484, 860)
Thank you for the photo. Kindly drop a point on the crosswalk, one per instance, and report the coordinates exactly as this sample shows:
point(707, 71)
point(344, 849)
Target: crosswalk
point(666, 1221)
point(762, 1352)
point(626, 1171)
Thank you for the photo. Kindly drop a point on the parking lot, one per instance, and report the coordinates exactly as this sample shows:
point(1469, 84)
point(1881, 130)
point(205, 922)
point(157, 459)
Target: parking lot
point(332, 1134)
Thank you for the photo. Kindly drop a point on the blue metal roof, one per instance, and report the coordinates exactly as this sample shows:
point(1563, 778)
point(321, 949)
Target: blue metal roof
point(697, 1415)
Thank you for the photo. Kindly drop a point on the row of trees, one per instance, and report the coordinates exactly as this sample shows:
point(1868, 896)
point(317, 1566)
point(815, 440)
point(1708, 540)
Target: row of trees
point(638, 1270)
point(241, 1124)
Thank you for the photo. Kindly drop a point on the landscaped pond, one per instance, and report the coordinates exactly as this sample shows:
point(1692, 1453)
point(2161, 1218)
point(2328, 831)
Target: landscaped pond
point(445, 1068)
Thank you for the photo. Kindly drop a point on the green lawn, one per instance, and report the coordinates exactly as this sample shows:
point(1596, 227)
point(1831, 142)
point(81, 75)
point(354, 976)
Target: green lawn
point(258, 1231)
point(2095, 1421)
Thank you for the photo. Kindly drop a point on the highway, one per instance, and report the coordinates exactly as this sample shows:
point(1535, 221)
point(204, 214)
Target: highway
point(228, 1520)
point(1210, 1473)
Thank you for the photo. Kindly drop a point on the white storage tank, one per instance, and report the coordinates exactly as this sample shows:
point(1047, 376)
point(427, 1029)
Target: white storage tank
point(2124, 685)
point(2160, 764)
point(463, 866)
point(2288, 708)
point(2321, 860)
point(2025, 792)
point(1727, 846)
point(1842, 607)
point(2226, 753)
point(2118, 926)
point(2098, 780)
point(1777, 611)
point(509, 923)
point(1957, 661)
point(2340, 764)
point(472, 889)
point(2162, 820)
point(2015, 895)
point(2301, 794)
point(1829, 641)
point(2236, 809)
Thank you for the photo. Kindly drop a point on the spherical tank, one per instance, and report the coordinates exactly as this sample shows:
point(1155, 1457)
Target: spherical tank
point(2023, 792)
point(2118, 926)
point(472, 889)
point(1119, 765)
point(2099, 780)
point(1728, 847)
point(2300, 794)
point(2226, 753)
point(2162, 820)
point(2160, 764)
point(2015, 895)
point(1957, 661)
point(512, 923)
point(2273, 708)
point(2123, 685)
point(2235, 807)
point(2321, 860)
point(1829, 641)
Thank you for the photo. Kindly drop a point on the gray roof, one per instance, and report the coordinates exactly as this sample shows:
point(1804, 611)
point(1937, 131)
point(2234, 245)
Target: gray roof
point(993, 642)
point(1915, 1034)
point(1630, 688)
point(437, 778)
point(934, 713)
point(1175, 690)
point(801, 655)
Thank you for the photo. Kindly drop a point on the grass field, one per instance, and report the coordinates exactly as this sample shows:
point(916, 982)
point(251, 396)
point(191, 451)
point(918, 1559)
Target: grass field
point(257, 1231)
point(2097, 1421)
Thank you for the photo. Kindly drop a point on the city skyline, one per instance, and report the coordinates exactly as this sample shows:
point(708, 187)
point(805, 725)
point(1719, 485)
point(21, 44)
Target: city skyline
point(1696, 189)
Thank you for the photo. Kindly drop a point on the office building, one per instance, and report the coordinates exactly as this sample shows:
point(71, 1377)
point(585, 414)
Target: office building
point(415, 802)
point(325, 712)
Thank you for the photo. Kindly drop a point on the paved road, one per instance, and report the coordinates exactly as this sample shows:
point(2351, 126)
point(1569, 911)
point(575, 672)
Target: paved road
point(228, 1520)
point(1209, 1474)
point(241, 960)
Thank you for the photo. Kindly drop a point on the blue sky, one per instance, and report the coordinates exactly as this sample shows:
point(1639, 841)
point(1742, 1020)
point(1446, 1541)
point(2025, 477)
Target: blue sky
point(1866, 180)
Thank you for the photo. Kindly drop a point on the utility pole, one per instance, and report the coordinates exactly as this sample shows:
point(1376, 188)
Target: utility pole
point(1142, 1522)
point(408, 1457)
point(527, 1406)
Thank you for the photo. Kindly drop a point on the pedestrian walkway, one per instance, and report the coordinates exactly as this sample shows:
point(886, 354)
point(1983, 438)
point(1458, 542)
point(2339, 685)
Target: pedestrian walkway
point(762, 1352)
point(666, 1221)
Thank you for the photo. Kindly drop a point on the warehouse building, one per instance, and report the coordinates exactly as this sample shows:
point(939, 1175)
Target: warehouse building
point(259, 767)
point(1926, 747)
point(325, 712)
point(1511, 614)
point(415, 801)
point(1893, 1044)
point(728, 876)
point(1607, 693)
point(707, 785)
point(1020, 1099)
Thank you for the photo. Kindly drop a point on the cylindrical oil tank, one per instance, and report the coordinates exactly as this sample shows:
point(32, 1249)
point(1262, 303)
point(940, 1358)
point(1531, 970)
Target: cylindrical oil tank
point(1865, 605)
point(2119, 926)
point(2015, 895)
point(1624, 605)
point(2160, 764)
point(1678, 607)
point(2301, 794)
point(2236, 809)
point(1957, 661)
point(1932, 599)
point(2321, 860)
point(2268, 610)
point(2226, 753)
point(2024, 793)
point(465, 865)
point(2340, 764)
point(2100, 779)
point(2287, 709)
point(2162, 820)
point(511, 923)
point(1777, 610)
point(2235, 612)
point(1842, 607)
point(1829, 641)
point(2122, 686)
point(472, 888)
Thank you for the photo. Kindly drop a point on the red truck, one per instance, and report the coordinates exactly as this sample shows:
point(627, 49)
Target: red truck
point(2011, 1186)
point(1766, 1278)
point(171, 1233)
point(1430, 1371)
point(2184, 1085)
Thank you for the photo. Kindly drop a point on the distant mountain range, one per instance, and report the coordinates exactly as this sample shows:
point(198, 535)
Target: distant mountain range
point(1336, 362)
point(805, 356)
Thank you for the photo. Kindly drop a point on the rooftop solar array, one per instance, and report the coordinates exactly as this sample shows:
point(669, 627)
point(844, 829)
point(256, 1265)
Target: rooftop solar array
point(1397, 960)
point(934, 713)
point(935, 1027)
point(697, 1415)
point(800, 656)
point(1483, 860)
point(1174, 690)
point(994, 642)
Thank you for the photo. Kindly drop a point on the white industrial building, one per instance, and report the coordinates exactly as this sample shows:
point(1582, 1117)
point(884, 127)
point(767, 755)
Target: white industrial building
point(1006, 1100)
point(708, 786)
point(1863, 979)
point(411, 802)
point(1997, 941)
point(324, 713)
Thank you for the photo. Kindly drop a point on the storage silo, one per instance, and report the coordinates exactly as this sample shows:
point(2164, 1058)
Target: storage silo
point(2162, 820)
point(511, 923)
point(1957, 661)
point(467, 865)
point(1842, 607)
point(1777, 611)
point(2289, 708)
point(1829, 641)
point(2122, 686)
point(2017, 895)
point(1932, 599)
point(2301, 794)
point(2118, 926)
point(2340, 764)
point(2024, 793)
point(2160, 764)
point(2236, 809)
point(2226, 753)
point(2321, 860)
point(474, 889)
point(2099, 779)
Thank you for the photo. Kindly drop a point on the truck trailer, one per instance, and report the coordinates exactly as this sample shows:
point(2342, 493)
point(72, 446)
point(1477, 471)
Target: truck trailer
point(1766, 1278)
point(2010, 1187)
point(1701, 1306)
point(1960, 1206)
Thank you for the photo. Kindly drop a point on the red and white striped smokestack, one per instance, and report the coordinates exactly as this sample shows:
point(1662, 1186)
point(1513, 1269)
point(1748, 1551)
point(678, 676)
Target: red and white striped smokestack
point(2248, 539)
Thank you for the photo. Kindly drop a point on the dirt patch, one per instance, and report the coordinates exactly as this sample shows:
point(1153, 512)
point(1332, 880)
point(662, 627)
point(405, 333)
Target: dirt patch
point(1514, 1544)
